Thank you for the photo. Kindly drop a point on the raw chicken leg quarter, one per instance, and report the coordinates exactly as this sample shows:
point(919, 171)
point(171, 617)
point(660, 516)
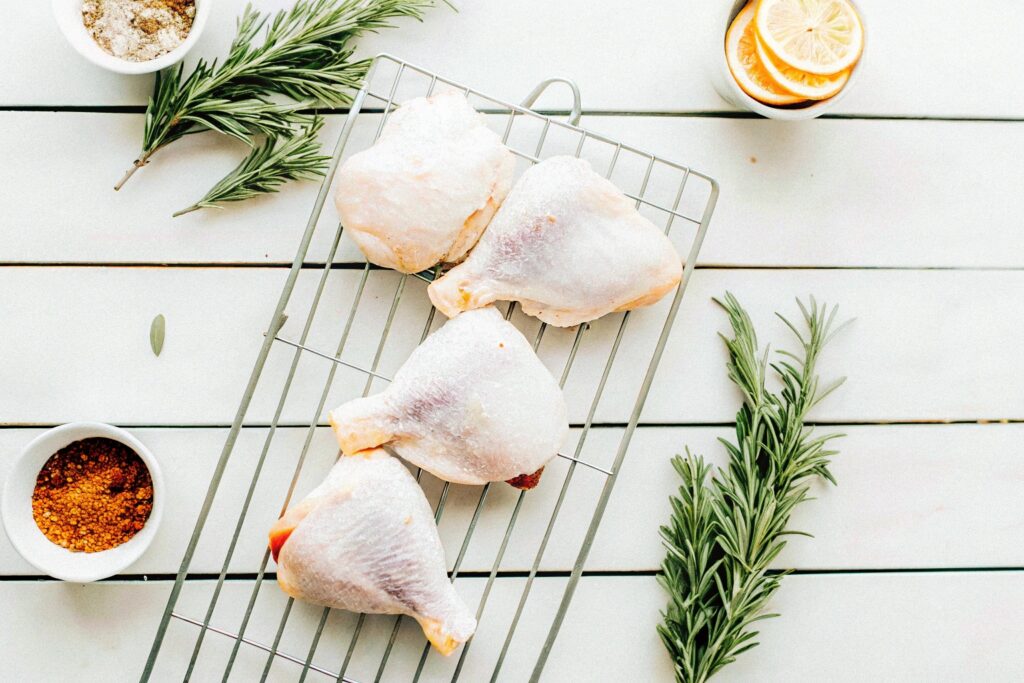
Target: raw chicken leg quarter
point(472, 404)
point(569, 246)
point(428, 187)
point(365, 541)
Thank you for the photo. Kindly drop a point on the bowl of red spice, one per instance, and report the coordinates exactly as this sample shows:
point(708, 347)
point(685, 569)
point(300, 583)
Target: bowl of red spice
point(132, 36)
point(83, 501)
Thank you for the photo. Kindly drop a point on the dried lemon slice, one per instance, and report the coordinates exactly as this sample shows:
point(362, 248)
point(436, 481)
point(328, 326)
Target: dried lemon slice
point(808, 86)
point(746, 68)
point(822, 37)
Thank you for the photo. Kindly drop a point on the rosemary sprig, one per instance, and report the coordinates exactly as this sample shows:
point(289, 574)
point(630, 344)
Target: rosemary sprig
point(726, 528)
point(305, 55)
point(269, 164)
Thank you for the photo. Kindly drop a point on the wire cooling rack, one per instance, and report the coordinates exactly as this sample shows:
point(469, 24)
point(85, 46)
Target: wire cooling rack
point(375, 647)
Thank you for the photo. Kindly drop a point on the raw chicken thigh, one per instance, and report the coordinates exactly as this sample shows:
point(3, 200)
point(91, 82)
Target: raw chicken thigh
point(472, 404)
point(365, 541)
point(569, 246)
point(428, 187)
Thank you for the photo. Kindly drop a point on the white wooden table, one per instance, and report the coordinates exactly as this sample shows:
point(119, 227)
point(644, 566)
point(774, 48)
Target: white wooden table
point(905, 208)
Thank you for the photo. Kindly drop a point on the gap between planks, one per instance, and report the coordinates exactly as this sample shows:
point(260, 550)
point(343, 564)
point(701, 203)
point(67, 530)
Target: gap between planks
point(653, 113)
point(356, 265)
point(572, 425)
point(541, 574)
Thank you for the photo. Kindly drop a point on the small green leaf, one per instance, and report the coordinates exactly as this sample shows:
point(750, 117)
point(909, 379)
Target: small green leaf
point(156, 334)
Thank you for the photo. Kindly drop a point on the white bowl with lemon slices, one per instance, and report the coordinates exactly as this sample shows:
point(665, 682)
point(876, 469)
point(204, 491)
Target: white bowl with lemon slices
point(787, 59)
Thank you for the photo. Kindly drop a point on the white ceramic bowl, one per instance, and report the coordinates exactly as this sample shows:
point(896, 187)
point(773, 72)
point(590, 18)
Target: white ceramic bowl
point(30, 542)
point(69, 17)
point(726, 86)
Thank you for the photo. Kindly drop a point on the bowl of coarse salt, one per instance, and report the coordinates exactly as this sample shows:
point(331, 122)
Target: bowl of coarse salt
point(132, 36)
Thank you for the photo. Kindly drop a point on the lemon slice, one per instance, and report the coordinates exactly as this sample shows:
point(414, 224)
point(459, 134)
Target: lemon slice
point(807, 86)
point(746, 68)
point(820, 37)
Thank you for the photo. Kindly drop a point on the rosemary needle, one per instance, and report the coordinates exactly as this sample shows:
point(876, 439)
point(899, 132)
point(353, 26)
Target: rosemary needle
point(269, 164)
point(727, 527)
point(306, 54)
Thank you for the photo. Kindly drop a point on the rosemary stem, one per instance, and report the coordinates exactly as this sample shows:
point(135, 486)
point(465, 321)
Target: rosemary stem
point(194, 207)
point(136, 165)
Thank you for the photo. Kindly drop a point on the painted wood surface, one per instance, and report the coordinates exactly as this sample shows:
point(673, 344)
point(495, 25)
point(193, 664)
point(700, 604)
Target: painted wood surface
point(917, 496)
point(950, 359)
point(936, 59)
point(916, 626)
point(823, 193)
point(912, 224)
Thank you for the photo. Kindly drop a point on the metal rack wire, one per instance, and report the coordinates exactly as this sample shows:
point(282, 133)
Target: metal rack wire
point(689, 198)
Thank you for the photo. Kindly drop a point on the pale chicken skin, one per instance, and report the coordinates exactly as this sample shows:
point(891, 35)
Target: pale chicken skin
point(472, 404)
point(567, 245)
point(365, 541)
point(428, 187)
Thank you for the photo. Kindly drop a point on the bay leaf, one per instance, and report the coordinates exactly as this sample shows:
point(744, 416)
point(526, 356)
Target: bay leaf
point(157, 329)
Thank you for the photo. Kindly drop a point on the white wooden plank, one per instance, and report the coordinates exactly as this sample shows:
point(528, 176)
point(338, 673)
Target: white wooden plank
point(945, 56)
point(850, 193)
point(88, 357)
point(924, 345)
point(908, 496)
point(73, 193)
point(897, 627)
point(835, 193)
point(917, 497)
point(190, 456)
point(892, 627)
